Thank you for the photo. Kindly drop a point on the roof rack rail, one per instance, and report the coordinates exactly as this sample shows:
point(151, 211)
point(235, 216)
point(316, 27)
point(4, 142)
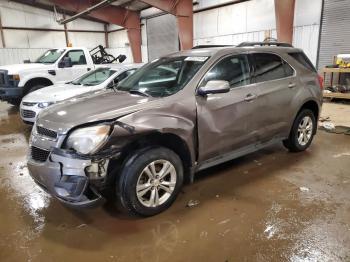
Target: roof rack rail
point(208, 46)
point(264, 44)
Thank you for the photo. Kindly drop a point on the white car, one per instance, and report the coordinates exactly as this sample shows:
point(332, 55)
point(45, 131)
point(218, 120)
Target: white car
point(103, 77)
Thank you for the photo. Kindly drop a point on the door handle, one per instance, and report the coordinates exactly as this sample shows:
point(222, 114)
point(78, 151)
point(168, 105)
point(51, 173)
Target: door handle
point(291, 85)
point(250, 97)
point(88, 69)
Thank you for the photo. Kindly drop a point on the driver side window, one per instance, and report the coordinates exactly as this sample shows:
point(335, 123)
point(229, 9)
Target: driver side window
point(77, 57)
point(233, 69)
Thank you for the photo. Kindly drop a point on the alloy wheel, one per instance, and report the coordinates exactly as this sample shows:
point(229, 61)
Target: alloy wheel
point(156, 183)
point(305, 130)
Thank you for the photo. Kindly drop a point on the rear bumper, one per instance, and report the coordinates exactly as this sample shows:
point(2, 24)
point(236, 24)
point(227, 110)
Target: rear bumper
point(65, 179)
point(7, 93)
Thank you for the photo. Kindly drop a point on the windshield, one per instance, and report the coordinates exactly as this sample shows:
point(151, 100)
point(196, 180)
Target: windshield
point(50, 56)
point(95, 77)
point(163, 77)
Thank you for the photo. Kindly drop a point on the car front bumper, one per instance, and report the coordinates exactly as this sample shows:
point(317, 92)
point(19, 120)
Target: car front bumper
point(64, 178)
point(29, 113)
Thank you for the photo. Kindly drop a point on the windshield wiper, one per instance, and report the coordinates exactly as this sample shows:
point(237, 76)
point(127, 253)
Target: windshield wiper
point(138, 92)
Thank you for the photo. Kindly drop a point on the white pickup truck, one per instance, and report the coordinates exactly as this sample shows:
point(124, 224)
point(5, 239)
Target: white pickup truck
point(54, 66)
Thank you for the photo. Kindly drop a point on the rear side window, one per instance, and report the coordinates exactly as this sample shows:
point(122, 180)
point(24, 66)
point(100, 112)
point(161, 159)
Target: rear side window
point(303, 59)
point(270, 67)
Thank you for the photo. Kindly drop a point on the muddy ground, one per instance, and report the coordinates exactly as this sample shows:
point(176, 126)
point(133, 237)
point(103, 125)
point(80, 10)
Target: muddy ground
point(268, 206)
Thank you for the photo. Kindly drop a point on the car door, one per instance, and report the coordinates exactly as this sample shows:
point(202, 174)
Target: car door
point(277, 85)
point(226, 122)
point(79, 66)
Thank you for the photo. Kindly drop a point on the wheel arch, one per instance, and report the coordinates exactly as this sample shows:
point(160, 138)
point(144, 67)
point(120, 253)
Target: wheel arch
point(36, 81)
point(157, 139)
point(313, 106)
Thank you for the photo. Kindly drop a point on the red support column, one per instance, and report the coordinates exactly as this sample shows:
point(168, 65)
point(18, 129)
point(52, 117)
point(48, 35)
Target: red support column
point(284, 11)
point(185, 23)
point(183, 10)
point(114, 15)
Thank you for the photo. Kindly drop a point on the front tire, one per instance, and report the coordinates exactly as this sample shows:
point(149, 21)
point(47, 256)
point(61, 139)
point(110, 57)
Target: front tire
point(149, 181)
point(14, 101)
point(303, 131)
point(34, 88)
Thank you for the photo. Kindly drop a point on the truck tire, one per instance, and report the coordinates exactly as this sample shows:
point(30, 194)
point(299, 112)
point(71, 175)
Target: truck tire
point(303, 131)
point(34, 87)
point(14, 101)
point(149, 181)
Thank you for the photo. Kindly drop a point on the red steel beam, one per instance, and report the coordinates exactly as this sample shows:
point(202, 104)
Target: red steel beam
point(113, 15)
point(284, 11)
point(183, 10)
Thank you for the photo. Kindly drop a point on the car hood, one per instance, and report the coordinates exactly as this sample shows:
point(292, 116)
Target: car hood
point(17, 68)
point(56, 93)
point(102, 106)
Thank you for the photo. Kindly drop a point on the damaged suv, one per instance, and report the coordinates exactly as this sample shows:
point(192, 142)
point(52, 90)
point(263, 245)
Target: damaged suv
point(175, 116)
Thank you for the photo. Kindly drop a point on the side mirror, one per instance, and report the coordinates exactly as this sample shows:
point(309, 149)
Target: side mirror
point(113, 84)
point(121, 58)
point(214, 87)
point(65, 62)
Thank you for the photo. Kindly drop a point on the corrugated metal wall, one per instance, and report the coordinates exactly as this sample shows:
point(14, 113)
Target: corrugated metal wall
point(162, 36)
point(335, 34)
point(247, 21)
point(253, 21)
point(19, 15)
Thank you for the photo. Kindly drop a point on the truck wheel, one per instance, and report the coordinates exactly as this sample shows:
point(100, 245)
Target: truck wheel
point(302, 133)
point(14, 101)
point(34, 87)
point(149, 181)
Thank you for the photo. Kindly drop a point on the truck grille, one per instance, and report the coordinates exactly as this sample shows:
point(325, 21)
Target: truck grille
point(28, 113)
point(46, 132)
point(39, 154)
point(2, 79)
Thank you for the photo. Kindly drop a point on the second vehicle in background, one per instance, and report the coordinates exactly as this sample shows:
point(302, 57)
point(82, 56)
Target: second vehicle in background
point(100, 78)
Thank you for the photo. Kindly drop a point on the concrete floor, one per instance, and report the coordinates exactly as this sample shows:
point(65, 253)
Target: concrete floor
point(268, 206)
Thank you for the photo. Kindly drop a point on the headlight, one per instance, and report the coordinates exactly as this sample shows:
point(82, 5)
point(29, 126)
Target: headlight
point(87, 140)
point(45, 104)
point(15, 77)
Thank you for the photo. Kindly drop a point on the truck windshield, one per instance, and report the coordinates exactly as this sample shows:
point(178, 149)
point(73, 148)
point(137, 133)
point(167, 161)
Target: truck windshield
point(50, 56)
point(163, 77)
point(95, 77)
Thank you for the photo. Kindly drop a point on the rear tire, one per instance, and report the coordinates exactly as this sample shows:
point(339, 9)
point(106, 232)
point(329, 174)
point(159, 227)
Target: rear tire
point(303, 131)
point(149, 181)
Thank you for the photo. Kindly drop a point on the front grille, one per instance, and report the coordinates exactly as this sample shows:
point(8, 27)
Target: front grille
point(46, 132)
point(28, 113)
point(2, 79)
point(28, 104)
point(39, 154)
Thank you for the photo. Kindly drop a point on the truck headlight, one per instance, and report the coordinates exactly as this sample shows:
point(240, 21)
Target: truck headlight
point(15, 77)
point(88, 140)
point(45, 104)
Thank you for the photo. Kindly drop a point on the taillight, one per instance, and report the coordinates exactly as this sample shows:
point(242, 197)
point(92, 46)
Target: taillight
point(320, 81)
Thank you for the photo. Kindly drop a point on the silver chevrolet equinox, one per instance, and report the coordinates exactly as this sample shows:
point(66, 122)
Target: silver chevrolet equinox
point(175, 116)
